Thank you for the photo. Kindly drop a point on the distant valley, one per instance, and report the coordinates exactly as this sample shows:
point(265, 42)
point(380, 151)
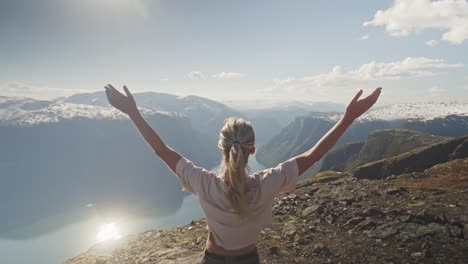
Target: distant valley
point(70, 152)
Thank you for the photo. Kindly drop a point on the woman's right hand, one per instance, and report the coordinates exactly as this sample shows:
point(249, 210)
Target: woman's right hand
point(358, 107)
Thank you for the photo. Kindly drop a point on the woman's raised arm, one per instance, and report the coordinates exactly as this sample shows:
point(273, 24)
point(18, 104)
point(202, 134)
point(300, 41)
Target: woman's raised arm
point(127, 105)
point(354, 109)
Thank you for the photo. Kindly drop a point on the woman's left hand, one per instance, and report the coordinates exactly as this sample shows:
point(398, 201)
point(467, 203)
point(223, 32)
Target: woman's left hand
point(125, 104)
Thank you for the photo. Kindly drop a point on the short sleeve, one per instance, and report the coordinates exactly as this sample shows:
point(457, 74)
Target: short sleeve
point(194, 179)
point(282, 178)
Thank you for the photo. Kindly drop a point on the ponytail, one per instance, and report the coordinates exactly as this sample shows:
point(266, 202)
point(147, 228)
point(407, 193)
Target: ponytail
point(236, 141)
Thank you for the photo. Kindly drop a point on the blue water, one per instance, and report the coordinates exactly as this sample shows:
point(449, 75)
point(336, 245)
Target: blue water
point(79, 236)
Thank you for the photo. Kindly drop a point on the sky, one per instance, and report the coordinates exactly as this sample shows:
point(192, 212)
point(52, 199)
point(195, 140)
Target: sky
point(417, 50)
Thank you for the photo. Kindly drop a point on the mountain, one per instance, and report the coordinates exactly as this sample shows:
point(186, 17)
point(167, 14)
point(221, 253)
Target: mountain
point(58, 156)
point(205, 115)
point(380, 144)
point(448, 119)
point(418, 215)
point(269, 120)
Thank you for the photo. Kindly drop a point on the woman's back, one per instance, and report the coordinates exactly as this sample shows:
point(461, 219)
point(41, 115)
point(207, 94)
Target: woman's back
point(228, 228)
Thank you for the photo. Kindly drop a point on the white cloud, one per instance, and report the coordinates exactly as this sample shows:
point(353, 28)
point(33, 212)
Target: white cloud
point(228, 75)
point(412, 16)
point(365, 37)
point(409, 67)
point(19, 89)
point(195, 75)
point(432, 42)
point(164, 79)
point(341, 77)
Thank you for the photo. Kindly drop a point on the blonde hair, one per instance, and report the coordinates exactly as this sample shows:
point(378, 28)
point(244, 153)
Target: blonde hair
point(236, 140)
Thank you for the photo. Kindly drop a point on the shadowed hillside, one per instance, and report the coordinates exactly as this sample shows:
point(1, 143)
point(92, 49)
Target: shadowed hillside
point(380, 144)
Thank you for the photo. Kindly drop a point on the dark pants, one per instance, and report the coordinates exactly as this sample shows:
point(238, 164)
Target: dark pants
point(249, 258)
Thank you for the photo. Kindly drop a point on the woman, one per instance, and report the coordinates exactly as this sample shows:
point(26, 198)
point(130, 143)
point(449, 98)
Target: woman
point(237, 206)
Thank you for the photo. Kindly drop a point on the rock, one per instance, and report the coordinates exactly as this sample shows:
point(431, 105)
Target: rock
point(312, 191)
point(346, 196)
point(312, 209)
point(373, 211)
point(425, 217)
point(365, 225)
point(354, 221)
point(456, 232)
point(328, 179)
point(417, 204)
point(406, 218)
point(320, 248)
point(426, 253)
point(383, 233)
point(395, 212)
point(417, 255)
point(431, 229)
point(330, 219)
point(393, 191)
point(289, 233)
point(290, 229)
point(273, 251)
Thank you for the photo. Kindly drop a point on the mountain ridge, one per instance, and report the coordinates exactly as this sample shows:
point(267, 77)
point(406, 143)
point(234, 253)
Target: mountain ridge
point(306, 130)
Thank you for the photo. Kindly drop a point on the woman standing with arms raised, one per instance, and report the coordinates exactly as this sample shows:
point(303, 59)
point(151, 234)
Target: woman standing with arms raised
point(237, 205)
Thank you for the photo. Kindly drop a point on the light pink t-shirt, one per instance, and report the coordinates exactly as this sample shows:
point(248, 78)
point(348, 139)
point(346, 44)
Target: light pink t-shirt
point(229, 230)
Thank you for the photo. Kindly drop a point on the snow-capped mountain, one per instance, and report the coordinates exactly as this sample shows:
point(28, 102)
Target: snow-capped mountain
point(41, 112)
point(156, 101)
point(418, 111)
point(425, 111)
point(205, 115)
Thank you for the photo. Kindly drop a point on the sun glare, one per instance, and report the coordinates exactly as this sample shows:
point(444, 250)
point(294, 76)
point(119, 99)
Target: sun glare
point(109, 231)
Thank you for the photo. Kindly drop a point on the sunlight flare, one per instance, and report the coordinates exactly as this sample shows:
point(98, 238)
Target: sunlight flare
point(109, 231)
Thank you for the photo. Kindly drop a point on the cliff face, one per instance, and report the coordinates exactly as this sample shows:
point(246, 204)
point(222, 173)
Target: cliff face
point(406, 217)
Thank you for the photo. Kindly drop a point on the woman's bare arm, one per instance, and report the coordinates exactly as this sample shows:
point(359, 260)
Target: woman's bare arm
point(167, 154)
point(127, 105)
point(355, 109)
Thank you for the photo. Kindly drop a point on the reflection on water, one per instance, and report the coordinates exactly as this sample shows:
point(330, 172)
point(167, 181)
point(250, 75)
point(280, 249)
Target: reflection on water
point(78, 237)
point(92, 227)
point(108, 231)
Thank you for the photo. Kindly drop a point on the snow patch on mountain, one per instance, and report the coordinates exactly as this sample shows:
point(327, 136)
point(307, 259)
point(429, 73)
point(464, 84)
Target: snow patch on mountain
point(413, 112)
point(418, 111)
point(29, 112)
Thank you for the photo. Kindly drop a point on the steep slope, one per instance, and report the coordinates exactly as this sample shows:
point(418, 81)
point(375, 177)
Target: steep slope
point(269, 120)
point(380, 144)
point(414, 161)
point(342, 157)
point(442, 119)
point(420, 217)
